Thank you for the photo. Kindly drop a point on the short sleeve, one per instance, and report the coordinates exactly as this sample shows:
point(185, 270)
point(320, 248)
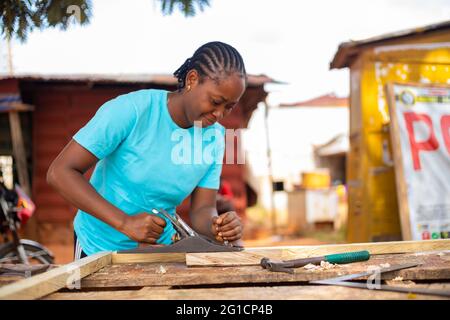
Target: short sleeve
point(111, 124)
point(211, 180)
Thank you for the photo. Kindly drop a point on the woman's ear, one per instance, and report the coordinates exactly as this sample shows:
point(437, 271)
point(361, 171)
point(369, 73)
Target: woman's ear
point(192, 78)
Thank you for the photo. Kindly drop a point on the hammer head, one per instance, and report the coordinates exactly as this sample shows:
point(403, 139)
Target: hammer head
point(274, 265)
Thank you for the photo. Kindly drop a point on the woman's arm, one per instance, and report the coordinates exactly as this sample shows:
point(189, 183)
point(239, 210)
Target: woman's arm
point(203, 210)
point(204, 218)
point(66, 176)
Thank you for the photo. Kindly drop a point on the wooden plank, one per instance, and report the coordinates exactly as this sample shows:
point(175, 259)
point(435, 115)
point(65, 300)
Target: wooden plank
point(4, 280)
point(20, 157)
point(19, 151)
point(252, 256)
point(53, 280)
point(118, 258)
point(434, 266)
point(16, 107)
point(10, 273)
point(252, 293)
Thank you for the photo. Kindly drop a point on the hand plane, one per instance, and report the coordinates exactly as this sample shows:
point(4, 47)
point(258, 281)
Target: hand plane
point(186, 239)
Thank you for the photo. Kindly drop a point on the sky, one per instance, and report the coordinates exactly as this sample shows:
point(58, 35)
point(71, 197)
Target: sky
point(289, 40)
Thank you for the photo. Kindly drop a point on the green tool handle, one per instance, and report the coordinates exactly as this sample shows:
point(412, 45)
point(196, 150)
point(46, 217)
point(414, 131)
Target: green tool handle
point(348, 257)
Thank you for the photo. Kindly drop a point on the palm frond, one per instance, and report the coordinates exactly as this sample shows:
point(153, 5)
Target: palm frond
point(20, 17)
point(187, 7)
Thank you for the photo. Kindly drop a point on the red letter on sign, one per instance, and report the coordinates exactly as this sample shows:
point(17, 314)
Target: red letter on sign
point(445, 125)
point(428, 145)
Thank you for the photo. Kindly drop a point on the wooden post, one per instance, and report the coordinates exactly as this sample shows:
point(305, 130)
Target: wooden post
point(19, 151)
point(273, 213)
point(20, 157)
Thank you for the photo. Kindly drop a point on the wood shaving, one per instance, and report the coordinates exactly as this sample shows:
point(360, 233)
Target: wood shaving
point(385, 265)
point(398, 279)
point(311, 266)
point(401, 283)
point(161, 270)
point(324, 265)
point(439, 253)
point(373, 267)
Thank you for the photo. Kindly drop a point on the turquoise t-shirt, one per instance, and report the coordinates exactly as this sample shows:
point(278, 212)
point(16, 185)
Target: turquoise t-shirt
point(146, 161)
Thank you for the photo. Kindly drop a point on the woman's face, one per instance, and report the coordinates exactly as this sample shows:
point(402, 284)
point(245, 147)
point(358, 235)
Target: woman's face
point(210, 101)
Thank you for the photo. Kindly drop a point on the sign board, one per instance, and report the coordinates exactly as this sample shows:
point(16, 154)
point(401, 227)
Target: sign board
point(420, 135)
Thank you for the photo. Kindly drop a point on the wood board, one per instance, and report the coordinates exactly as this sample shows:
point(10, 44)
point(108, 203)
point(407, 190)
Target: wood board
point(118, 258)
point(435, 266)
point(250, 293)
point(53, 280)
point(254, 256)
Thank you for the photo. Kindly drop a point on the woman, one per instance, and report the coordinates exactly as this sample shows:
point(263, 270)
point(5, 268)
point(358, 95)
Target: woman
point(130, 140)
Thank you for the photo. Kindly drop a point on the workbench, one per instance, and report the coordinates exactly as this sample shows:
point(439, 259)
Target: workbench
point(236, 275)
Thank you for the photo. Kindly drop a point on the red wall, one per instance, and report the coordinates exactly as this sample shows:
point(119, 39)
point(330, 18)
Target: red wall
point(58, 115)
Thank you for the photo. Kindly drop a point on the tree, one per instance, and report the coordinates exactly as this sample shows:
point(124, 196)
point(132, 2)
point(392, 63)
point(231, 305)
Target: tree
point(187, 7)
point(20, 17)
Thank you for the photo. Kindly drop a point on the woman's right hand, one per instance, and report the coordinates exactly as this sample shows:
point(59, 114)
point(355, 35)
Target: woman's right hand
point(143, 227)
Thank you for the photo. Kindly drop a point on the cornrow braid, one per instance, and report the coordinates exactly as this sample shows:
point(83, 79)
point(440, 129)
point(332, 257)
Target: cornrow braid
point(213, 60)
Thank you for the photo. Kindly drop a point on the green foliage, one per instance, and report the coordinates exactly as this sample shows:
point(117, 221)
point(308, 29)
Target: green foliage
point(20, 17)
point(187, 7)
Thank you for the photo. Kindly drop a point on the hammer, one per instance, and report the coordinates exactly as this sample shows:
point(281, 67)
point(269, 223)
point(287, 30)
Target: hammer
point(339, 258)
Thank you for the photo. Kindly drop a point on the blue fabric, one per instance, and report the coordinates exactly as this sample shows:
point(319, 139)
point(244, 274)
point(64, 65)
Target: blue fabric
point(145, 161)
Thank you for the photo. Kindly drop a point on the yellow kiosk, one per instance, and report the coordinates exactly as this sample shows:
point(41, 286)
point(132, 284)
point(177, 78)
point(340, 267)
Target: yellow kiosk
point(420, 55)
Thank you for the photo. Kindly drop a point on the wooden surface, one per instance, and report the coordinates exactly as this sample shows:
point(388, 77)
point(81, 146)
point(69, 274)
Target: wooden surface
point(15, 106)
point(10, 273)
point(8, 279)
point(53, 280)
point(118, 258)
point(20, 158)
point(19, 151)
point(177, 274)
point(174, 280)
point(253, 256)
point(306, 292)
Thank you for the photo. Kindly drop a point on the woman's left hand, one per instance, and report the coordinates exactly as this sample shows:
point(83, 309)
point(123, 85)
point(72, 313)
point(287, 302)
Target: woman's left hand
point(227, 227)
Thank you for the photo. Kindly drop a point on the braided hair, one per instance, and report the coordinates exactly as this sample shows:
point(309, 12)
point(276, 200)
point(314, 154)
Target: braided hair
point(212, 60)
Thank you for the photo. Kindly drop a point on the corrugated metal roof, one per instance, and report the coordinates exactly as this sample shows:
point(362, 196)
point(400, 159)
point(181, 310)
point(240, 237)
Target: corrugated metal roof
point(347, 51)
point(327, 100)
point(163, 79)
